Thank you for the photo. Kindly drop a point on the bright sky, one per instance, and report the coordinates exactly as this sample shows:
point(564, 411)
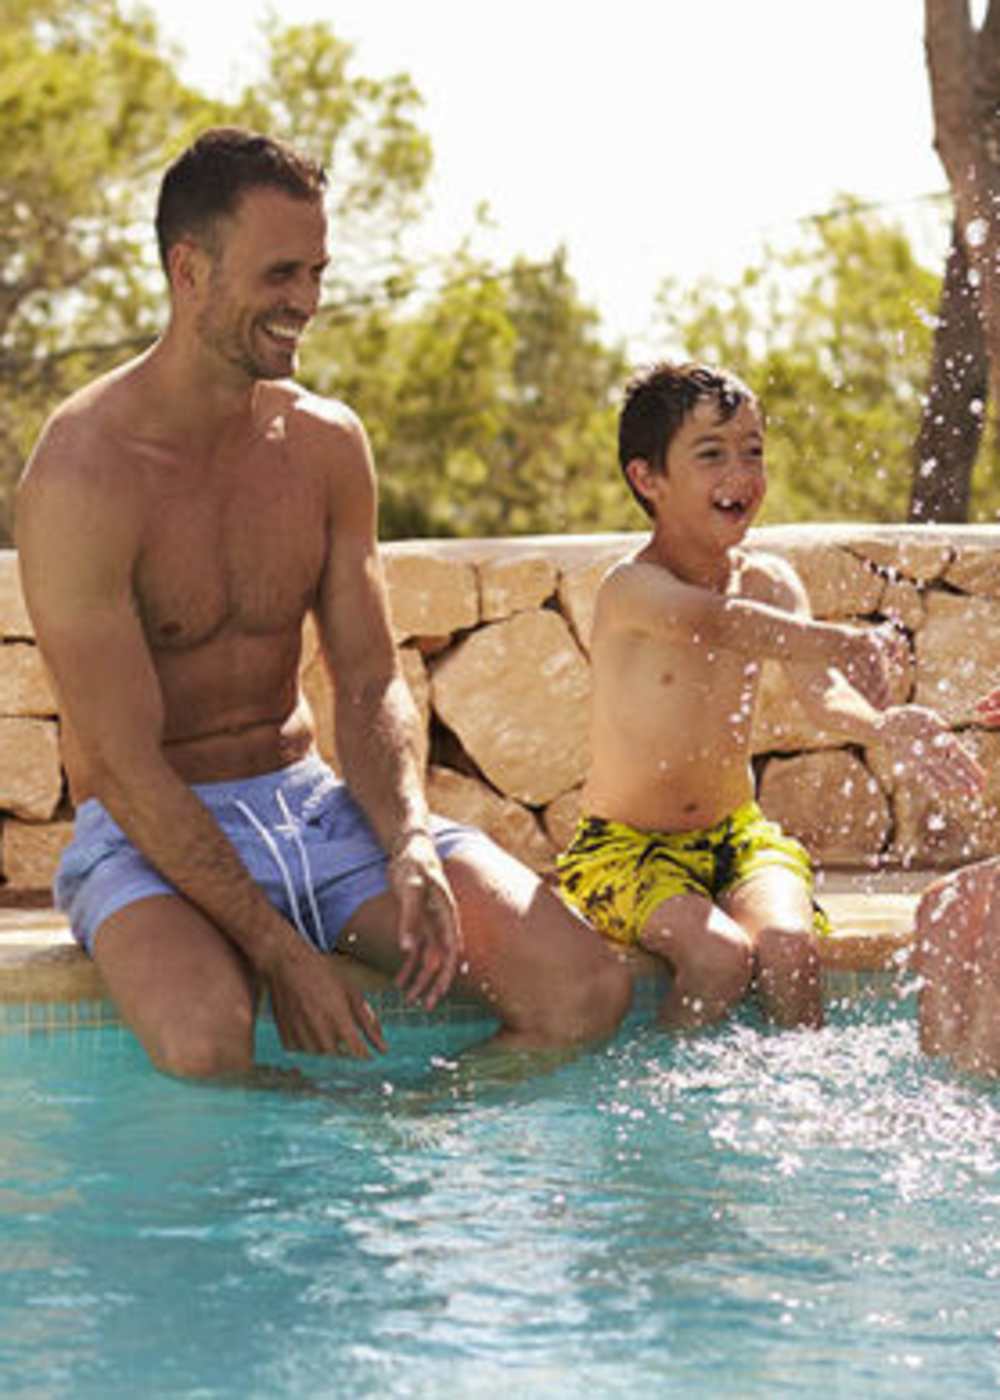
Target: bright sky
point(651, 137)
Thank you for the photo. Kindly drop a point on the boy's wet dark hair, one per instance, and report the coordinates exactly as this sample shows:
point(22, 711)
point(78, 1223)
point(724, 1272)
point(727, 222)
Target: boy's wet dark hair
point(658, 398)
point(205, 182)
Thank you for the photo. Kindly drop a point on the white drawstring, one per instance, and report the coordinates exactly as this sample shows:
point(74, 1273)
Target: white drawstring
point(272, 846)
point(293, 829)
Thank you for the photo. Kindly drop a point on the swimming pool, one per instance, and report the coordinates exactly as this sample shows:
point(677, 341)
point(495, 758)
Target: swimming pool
point(745, 1213)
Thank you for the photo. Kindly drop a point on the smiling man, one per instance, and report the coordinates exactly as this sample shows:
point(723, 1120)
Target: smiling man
point(673, 853)
point(178, 520)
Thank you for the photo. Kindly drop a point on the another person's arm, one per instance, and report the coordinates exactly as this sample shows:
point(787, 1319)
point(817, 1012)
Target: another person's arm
point(78, 536)
point(376, 720)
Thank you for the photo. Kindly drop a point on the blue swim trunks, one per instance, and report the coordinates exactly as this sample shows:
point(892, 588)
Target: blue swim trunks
point(298, 831)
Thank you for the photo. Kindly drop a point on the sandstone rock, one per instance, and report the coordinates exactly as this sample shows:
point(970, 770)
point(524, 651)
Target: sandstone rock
point(516, 693)
point(30, 775)
point(509, 586)
point(561, 816)
point(24, 683)
point(975, 569)
point(429, 596)
point(914, 556)
point(578, 593)
point(31, 852)
point(903, 603)
point(838, 584)
point(831, 802)
point(511, 826)
point(14, 620)
point(958, 654)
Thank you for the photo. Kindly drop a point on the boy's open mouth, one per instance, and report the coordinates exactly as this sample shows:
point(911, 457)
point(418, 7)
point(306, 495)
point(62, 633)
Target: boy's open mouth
point(733, 506)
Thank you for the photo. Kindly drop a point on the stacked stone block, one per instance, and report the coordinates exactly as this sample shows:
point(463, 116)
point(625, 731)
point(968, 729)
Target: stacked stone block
point(493, 637)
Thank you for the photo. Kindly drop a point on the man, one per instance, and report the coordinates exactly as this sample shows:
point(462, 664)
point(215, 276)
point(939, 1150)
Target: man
point(177, 521)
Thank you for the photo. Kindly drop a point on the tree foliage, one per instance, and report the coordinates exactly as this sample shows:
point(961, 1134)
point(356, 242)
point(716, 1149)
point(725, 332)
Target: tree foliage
point(489, 394)
point(835, 335)
point(488, 397)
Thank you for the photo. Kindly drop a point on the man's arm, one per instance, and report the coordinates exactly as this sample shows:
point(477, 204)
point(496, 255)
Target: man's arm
point(77, 535)
point(376, 721)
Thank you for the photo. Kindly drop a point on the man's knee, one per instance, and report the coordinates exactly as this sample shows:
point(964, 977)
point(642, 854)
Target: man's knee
point(200, 1050)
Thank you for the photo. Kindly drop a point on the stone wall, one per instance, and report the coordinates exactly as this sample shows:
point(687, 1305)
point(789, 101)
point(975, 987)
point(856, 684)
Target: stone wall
point(493, 637)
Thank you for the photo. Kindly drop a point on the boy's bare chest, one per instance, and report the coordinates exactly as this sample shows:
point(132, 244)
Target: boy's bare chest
point(238, 553)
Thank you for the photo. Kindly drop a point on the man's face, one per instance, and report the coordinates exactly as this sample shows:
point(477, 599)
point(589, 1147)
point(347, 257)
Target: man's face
point(715, 479)
point(264, 284)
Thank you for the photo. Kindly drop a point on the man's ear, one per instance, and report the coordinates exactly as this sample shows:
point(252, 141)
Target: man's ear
point(187, 266)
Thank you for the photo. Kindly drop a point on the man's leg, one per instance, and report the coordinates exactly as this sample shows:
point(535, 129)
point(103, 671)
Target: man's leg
point(180, 986)
point(774, 907)
point(535, 964)
point(710, 958)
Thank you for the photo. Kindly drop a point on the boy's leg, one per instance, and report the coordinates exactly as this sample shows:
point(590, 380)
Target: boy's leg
point(180, 986)
point(710, 958)
point(774, 907)
point(551, 980)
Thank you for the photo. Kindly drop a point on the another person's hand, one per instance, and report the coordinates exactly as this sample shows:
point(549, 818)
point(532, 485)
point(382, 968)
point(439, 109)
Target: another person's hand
point(430, 936)
point(318, 1009)
point(919, 738)
point(987, 707)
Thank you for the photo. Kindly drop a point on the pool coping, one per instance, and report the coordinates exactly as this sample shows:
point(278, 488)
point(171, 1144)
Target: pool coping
point(872, 914)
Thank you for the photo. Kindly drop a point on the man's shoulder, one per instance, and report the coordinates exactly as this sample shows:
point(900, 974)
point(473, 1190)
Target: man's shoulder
point(322, 428)
point(310, 412)
point(77, 442)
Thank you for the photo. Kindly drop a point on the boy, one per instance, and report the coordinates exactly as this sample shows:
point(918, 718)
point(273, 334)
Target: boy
point(672, 853)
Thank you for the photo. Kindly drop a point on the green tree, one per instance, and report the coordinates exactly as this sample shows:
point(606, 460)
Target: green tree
point(90, 112)
point(86, 107)
point(835, 335)
point(490, 403)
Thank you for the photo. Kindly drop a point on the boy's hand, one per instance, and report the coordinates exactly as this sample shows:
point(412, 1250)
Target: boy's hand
point(919, 738)
point(873, 656)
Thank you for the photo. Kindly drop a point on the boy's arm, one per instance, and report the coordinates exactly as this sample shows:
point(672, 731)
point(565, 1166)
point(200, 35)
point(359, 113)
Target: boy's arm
point(77, 539)
point(649, 598)
point(915, 736)
point(376, 719)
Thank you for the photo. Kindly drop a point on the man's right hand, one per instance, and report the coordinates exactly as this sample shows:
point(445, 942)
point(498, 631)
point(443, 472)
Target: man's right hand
point(318, 1009)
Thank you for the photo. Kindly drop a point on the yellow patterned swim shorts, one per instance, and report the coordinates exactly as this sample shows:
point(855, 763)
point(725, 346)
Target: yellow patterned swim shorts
point(616, 875)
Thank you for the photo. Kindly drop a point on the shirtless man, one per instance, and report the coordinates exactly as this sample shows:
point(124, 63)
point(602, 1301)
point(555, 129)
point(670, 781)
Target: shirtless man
point(178, 520)
point(672, 853)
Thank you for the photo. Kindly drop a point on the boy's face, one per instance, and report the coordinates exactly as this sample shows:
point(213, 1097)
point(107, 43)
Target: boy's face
point(715, 478)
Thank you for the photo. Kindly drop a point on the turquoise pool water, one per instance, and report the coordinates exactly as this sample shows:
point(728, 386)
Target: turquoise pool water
point(748, 1213)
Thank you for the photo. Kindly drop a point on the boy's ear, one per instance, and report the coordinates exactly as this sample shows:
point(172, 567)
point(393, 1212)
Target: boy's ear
point(639, 472)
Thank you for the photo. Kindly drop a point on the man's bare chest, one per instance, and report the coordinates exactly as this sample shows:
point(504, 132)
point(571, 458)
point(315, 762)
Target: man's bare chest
point(243, 556)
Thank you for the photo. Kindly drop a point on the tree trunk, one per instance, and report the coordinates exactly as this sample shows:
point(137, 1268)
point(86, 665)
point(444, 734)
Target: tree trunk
point(964, 70)
point(951, 427)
